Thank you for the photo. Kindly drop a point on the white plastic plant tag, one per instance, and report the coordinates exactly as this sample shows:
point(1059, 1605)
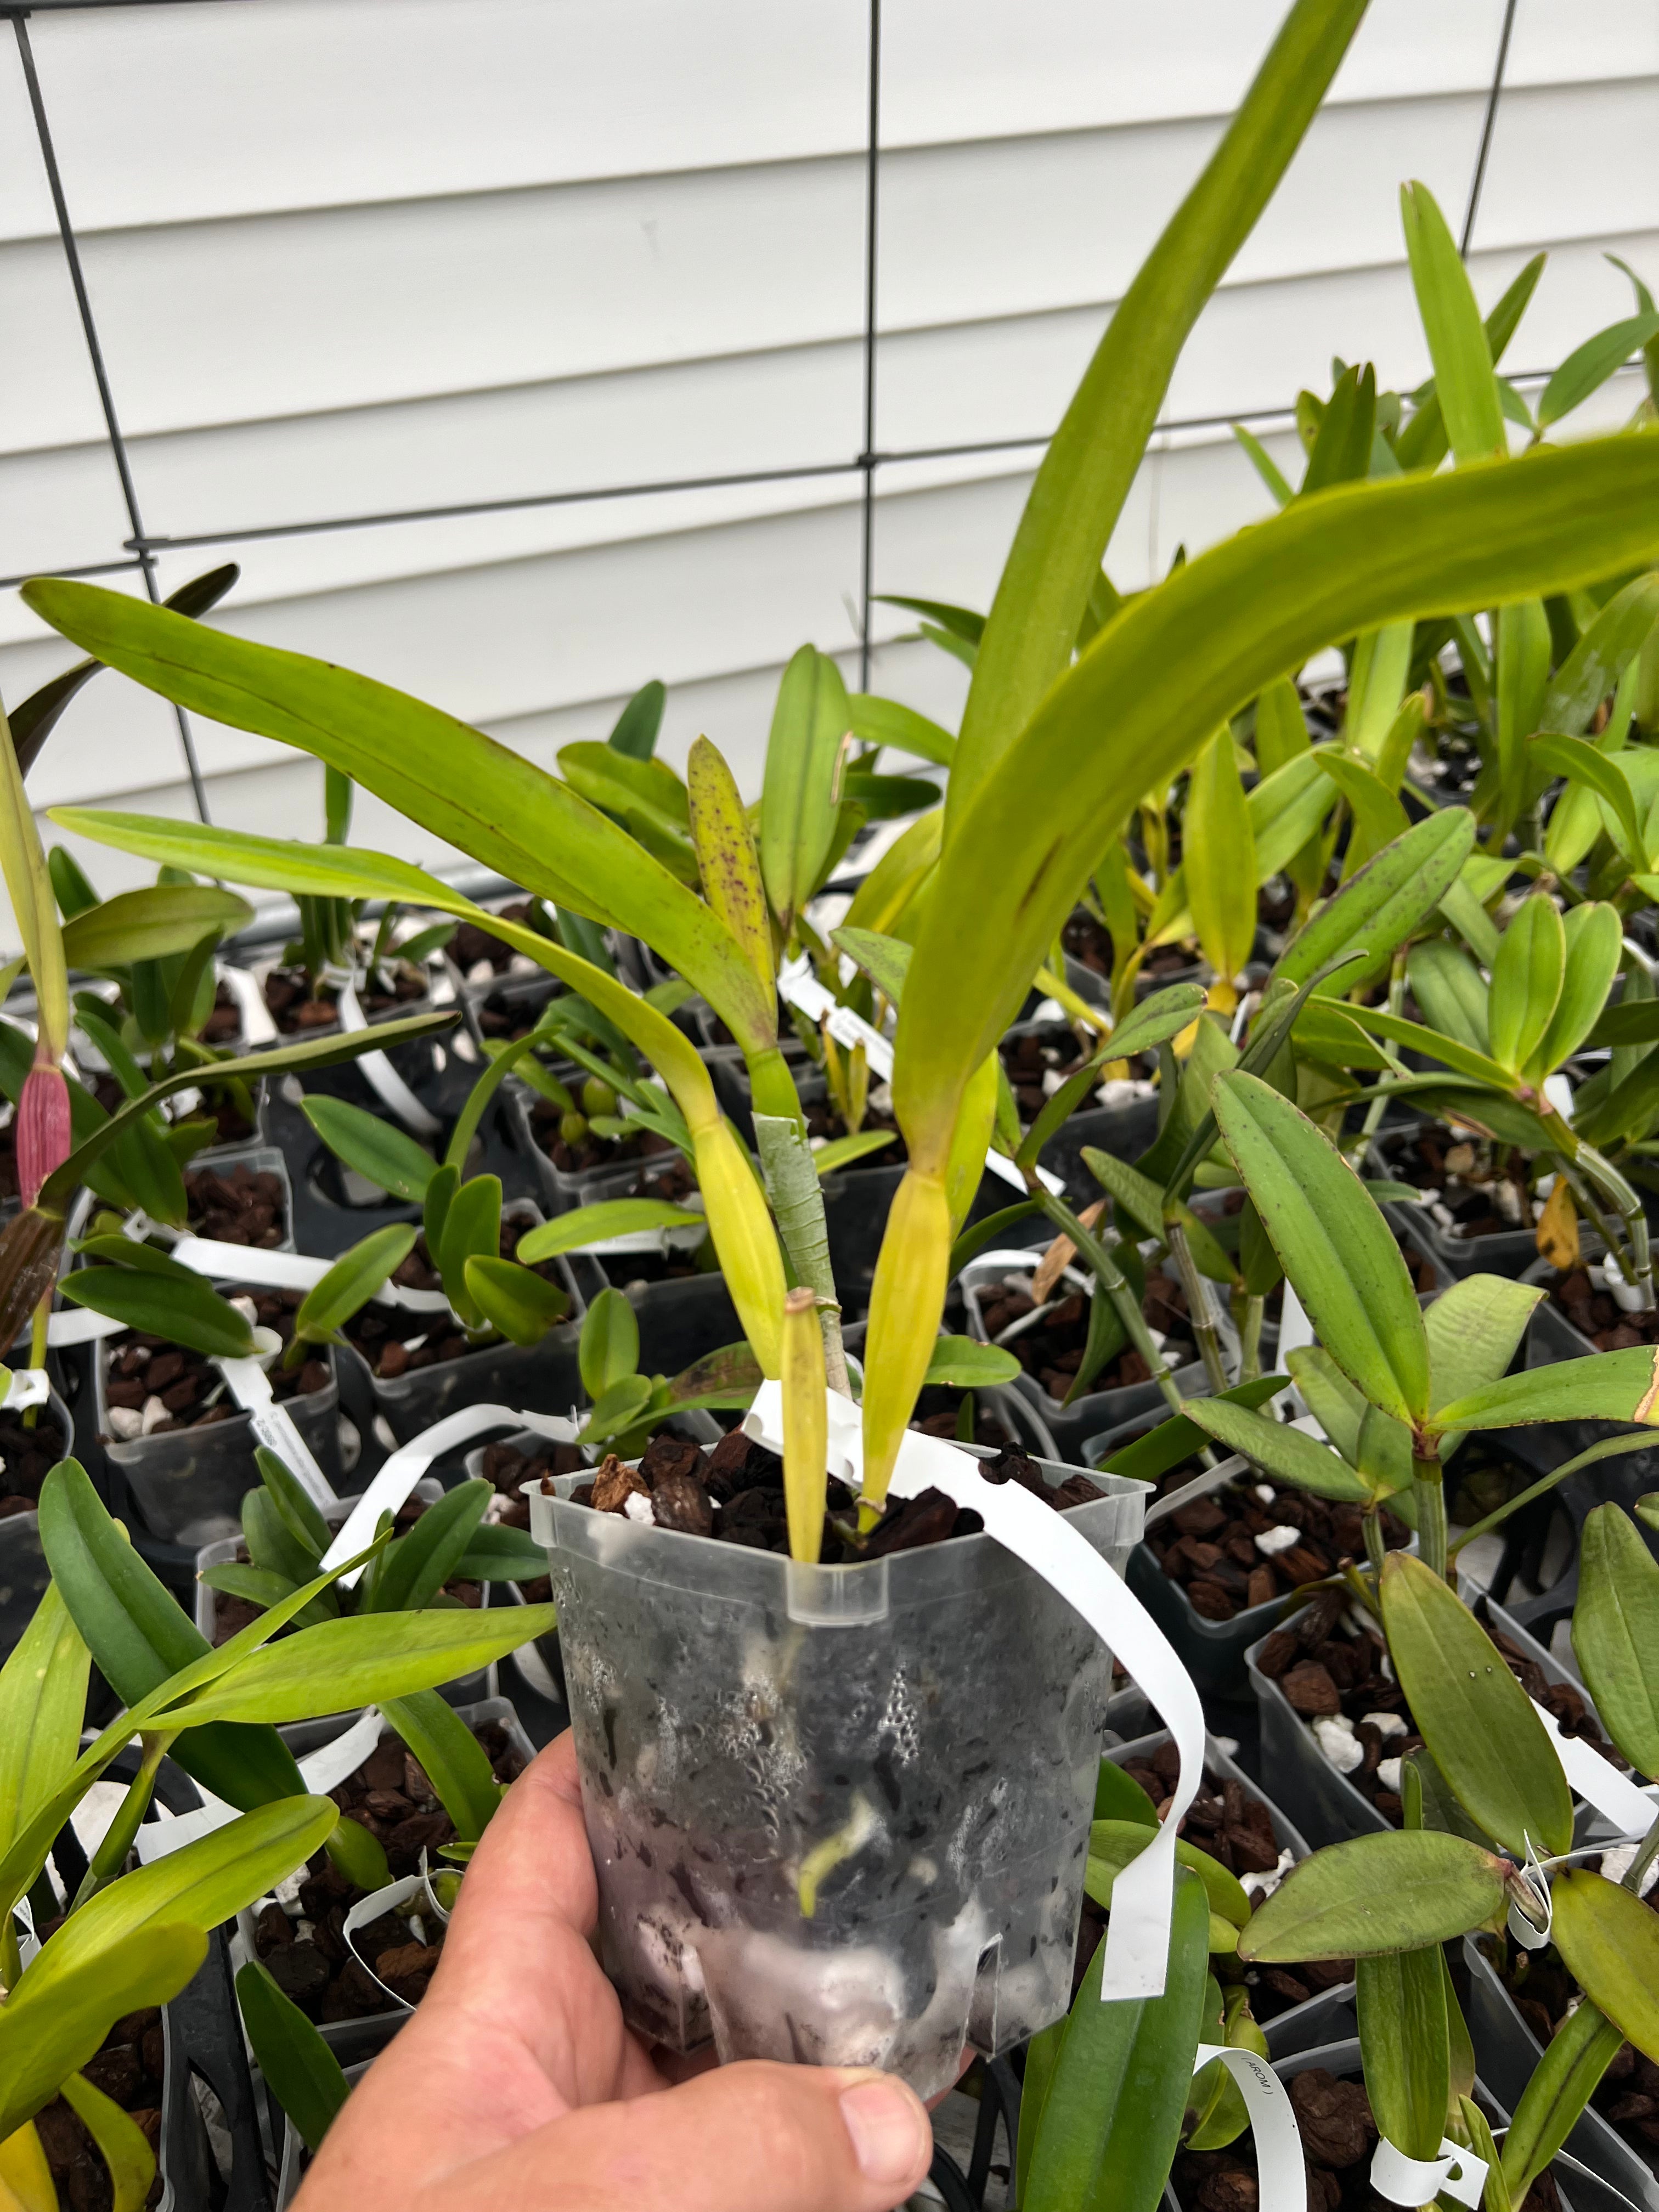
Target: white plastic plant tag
point(1138, 1931)
point(321, 1771)
point(377, 1069)
point(1600, 1783)
point(273, 1426)
point(1558, 1089)
point(800, 987)
point(1531, 1935)
point(242, 1263)
point(1279, 2166)
point(80, 1325)
point(402, 1469)
point(137, 1226)
point(25, 1387)
point(1457, 2173)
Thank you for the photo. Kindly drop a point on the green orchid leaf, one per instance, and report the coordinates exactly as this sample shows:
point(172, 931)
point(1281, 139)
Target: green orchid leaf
point(1160, 1015)
point(300, 2069)
point(621, 1406)
point(1631, 1022)
point(1118, 1796)
point(1614, 1386)
point(43, 1703)
point(1113, 1843)
point(453, 1760)
point(1377, 908)
point(1074, 504)
point(1615, 1633)
point(1332, 1241)
point(1458, 346)
point(885, 723)
point(609, 1348)
point(501, 1555)
point(190, 1311)
point(122, 2143)
point(799, 796)
point(150, 923)
point(352, 1281)
point(1287, 1455)
point(1474, 1330)
point(1475, 1718)
point(1404, 2042)
point(586, 1225)
point(1581, 762)
point(1218, 859)
point(840, 1152)
point(1331, 1398)
point(376, 1148)
point(1526, 982)
point(418, 1565)
point(295, 1505)
point(727, 858)
point(52, 2026)
point(1588, 366)
point(518, 1303)
point(1377, 1894)
point(1553, 2100)
point(271, 1543)
point(962, 1363)
point(1610, 1941)
point(1112, 2118)
point(1594, 947)
point(1451, 991)
point(1599, 660)
point(361, 1661)
point(473, 1229)
point(1148, 1457)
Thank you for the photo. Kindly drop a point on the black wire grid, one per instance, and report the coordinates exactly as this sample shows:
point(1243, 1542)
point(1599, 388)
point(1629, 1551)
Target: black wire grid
point(141, 547)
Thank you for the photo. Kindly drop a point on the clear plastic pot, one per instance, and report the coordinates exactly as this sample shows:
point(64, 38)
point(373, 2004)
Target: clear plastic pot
point(922, 1733)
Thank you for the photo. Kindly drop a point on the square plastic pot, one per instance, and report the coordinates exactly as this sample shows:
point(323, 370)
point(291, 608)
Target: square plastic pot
point(263, 1159)
point(1324, 1804)
point(1507, 2052)
point(920, 1734)
point(1090, 1415)
point(189, 1484)
point(1579, 2189)
point(1509, 1253)
point(220, 1553)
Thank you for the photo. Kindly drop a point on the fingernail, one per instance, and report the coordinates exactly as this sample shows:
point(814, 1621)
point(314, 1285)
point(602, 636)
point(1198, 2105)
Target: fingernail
point(890, 2130)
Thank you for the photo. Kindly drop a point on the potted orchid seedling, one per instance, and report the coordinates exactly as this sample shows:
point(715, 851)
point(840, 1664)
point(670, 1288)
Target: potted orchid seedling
point(800, 1898)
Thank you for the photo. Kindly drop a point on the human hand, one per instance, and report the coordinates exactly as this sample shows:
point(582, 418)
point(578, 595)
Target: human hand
point(516, 2082)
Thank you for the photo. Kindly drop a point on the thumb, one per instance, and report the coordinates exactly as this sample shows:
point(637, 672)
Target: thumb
point(753, 2137)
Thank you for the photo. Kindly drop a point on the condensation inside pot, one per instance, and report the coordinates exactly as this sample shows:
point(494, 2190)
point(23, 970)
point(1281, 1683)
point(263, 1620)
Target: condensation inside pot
point(928, 1769)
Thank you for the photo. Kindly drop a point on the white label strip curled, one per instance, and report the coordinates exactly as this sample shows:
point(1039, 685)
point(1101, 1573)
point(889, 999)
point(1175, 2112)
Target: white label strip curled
point(1138, 1931)
point(25, 1387)
point(1457, 2173)
point(1280, 2169)
point(403, 1468)
point(1531, 1935)
point(382, 1075)
point(800, 987)
point(321, 1770)
point(258, 1024)
point(414, 1893)
point(273, 1426)
point(1600, 1783)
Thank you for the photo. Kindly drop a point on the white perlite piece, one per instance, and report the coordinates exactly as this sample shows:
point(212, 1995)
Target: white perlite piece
point(1385, 1723)
point(1277, 1539)
point(1259, 1886)
point(1334, 1735)
point(638, 1508)
point(1266, 1493)
point(1387, 1774)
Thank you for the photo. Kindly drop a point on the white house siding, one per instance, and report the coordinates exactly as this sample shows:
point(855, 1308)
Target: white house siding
point(353, 258)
